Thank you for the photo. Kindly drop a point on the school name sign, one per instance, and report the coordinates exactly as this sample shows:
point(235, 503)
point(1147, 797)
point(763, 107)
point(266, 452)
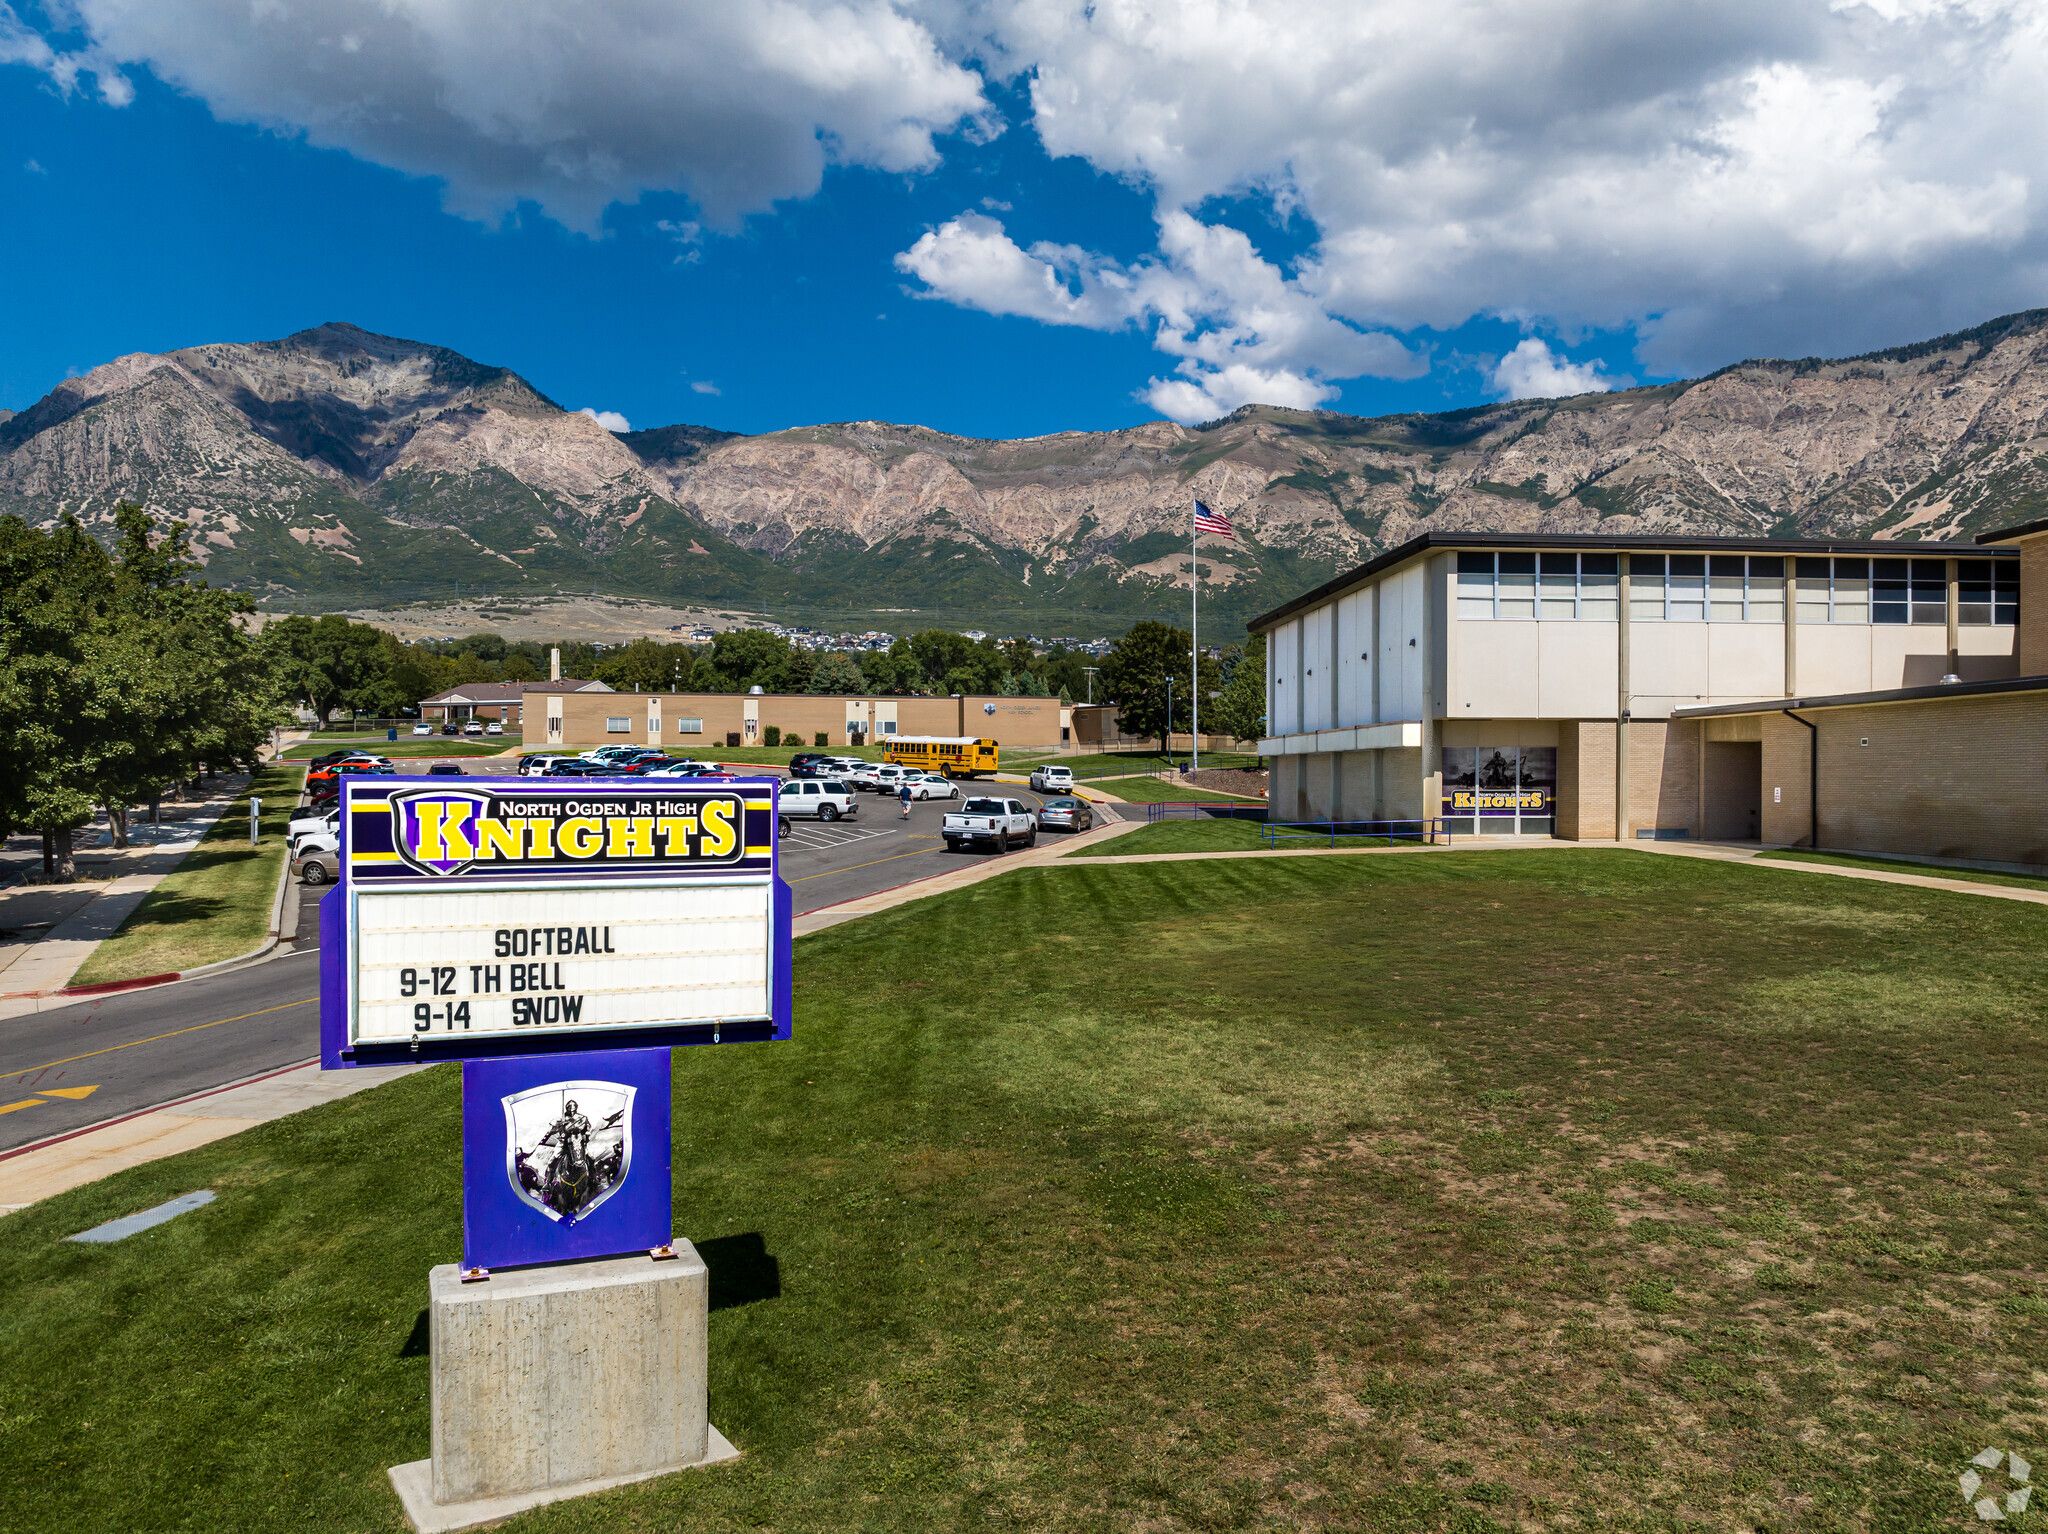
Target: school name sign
point(487, 918)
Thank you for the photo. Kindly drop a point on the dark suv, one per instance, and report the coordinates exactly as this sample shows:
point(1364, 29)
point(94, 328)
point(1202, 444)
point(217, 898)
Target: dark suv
point(805, 764)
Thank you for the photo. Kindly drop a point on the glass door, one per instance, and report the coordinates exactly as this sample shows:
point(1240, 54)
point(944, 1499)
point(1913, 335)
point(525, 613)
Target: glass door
point(1500, 790)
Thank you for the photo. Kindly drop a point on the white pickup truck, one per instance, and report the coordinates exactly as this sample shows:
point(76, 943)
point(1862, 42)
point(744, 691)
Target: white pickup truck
point(1001, 823)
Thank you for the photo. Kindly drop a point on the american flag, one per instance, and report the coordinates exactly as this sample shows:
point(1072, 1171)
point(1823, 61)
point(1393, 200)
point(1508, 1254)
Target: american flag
point(1208, 521)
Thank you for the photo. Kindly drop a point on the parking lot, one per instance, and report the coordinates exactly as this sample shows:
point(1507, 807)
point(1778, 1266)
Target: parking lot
point(824, 862)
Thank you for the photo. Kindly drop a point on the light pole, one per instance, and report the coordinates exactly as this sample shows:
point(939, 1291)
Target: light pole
point(1091, 670)
point(1169, 721)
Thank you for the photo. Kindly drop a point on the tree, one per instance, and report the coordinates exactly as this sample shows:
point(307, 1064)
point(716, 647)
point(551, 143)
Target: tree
point(119, 674)
point(648, 665)
point(327, 662)
point(1135, 674)
point(1240, 708)
point(837, 672)
point(743, 658)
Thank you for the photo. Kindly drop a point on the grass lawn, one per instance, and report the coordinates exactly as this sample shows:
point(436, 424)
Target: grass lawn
point(1110, 763)
point(1469, 1192)
point(1909, 865)
point(1212, 836)
point(406, 745)
point(216, 904)
point(1155, 790)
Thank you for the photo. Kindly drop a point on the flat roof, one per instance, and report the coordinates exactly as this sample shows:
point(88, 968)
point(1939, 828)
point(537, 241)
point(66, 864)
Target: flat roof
point(2022, 530)
point(1864, 699)
point(1685, 542)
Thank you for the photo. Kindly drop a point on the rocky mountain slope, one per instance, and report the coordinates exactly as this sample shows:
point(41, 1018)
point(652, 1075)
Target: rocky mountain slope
point(337, 463)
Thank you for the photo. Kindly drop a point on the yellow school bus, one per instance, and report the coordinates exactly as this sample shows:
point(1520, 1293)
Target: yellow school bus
point(957, 756)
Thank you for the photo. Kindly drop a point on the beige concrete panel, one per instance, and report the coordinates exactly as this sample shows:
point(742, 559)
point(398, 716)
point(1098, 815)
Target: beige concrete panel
point(1834, 657)
point(1354, 664)
point(1494, 667)
point(1502, 732)
point(1745, 660)
point(1579, 672)
point(1667, 666)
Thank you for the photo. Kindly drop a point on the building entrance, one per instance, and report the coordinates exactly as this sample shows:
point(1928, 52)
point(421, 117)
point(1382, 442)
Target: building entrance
point(1500, 790)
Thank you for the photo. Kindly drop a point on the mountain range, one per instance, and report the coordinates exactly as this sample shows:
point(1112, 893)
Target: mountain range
point(337, 467)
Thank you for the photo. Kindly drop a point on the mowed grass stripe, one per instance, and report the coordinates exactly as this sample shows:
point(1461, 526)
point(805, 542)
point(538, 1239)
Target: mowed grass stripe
point(1455, 1192)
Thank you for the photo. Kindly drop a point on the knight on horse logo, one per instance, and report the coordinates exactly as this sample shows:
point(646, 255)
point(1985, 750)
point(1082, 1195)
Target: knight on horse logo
point(568, 1145)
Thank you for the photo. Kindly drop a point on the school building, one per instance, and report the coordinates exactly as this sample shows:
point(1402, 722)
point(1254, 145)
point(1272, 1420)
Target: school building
point(1873, 696)
point(705, 721)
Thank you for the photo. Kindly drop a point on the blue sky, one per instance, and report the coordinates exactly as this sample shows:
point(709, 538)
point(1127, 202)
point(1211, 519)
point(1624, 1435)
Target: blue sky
point(1013, 220)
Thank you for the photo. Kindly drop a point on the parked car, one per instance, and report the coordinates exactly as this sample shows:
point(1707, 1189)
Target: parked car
point(842, 765)
point(681, 770)
point(1052, 780)
point(494, 728)
point(352, 767)
point(423, 728)
point(473, 727)
point(807, 764)
point(321, 824)
point(449, 727)
point(1065, 815)
point(817, 799)
point(860, 775)
point(932, 785)
point(316, 859)
point(330, 756)
point(998, 823)
point(577, 767)
point(444, 770)
point(882, 779)
point(534, 763)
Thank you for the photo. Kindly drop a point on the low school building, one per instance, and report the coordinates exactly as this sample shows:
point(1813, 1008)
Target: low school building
point(701, 721)
point(1853, 695)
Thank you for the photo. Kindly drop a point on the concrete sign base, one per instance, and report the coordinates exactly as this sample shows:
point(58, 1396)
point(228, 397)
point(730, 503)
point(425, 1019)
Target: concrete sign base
point(558, 1381)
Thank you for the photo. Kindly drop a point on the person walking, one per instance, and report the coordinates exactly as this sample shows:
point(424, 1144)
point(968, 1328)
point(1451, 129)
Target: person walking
point(903, 798)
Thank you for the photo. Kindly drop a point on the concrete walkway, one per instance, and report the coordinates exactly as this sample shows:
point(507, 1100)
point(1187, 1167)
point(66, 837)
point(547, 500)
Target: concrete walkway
point(1958, 882)
point(48, 930)
point(69, 1161)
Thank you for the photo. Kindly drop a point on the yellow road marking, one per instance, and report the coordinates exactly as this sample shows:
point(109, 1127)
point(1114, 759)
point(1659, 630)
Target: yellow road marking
point(26, 1102)
point(76, 1094)
point(283, 1006)
point(870, 863)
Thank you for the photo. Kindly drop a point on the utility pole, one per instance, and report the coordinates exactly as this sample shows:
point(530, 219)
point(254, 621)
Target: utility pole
point(1169, 721)
point(1091, 670)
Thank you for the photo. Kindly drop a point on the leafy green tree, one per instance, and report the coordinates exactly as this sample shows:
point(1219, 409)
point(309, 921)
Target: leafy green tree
point(885, 672)
point(1135, 674)
point(837, 672)
point(328, 662)
point(1240, 708)
point(743, 658)
point(648, 665)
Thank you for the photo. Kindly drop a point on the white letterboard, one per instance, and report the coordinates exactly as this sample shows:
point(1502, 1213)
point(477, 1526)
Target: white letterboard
point(484, 961)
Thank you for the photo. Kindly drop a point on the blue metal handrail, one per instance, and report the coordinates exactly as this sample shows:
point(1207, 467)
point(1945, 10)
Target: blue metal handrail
point(1427, 832)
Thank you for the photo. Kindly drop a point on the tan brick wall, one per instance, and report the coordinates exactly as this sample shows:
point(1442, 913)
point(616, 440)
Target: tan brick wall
point(1950, 778)
point(1664, 776)
point(2034, 606)
point(1585, 780)
point(1016, 722)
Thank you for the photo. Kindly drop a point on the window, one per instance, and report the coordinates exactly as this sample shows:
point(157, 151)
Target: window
point(1746, 588)
point(618, 724)
point(1988, 591)
point(1930, 591)
point(1646, 587)
point(888, 727)
point(687, 727)
point(1890, 599)
point(1556, 587)
point(1839, 590)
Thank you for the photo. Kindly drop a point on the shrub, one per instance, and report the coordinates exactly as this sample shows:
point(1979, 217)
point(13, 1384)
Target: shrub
point(772, 736)
point(822, 738)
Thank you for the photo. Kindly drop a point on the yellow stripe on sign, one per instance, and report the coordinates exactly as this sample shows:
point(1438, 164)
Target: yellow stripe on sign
point(373, 857)
point(759, 852)
point(372, 807)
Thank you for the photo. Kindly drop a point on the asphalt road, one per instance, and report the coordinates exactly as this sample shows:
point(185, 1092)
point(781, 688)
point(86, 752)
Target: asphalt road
point(143, 1049)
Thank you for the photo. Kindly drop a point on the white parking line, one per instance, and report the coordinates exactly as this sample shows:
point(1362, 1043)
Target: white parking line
point(824, 834)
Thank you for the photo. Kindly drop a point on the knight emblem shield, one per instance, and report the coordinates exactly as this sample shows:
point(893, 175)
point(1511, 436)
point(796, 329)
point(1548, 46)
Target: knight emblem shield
point(433, 829)
point(568, 1145)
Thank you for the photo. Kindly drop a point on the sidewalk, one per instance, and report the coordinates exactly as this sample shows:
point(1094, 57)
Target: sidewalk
point(57, 1165)
point(48, 930)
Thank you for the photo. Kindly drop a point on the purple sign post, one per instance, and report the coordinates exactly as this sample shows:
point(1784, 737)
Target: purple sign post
point(559, 938)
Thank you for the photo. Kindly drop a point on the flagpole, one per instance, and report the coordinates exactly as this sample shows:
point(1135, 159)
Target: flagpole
point(1194, 640)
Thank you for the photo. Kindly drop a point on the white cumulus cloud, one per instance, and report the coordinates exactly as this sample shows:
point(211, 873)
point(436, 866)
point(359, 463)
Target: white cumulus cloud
point(610, 420)
point(1533, 371)
point(704, 386)
point(1242, 331)
point(573, 107)
point(1745, 177)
